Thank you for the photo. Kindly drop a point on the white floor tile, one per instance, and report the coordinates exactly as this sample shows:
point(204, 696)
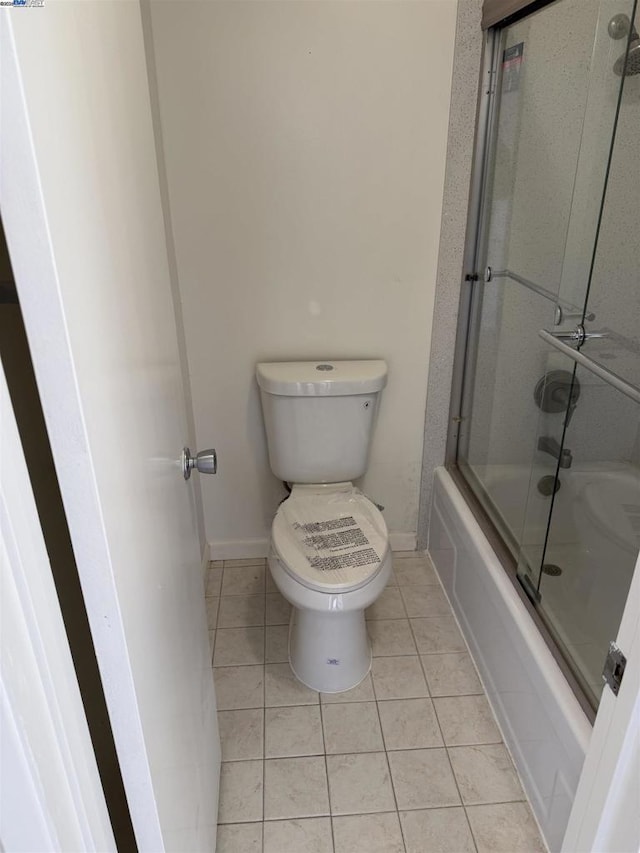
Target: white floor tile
point(240, 792)
point(212, 612)
point(295, 787)
point(236, 646)
point(213, 581)
point(398, 678)
point(437, 831)
point(409, 724)
point(236, 837)
point(485, 774)
point(422, 779)
point(359, 784)
point(270, 584)
point(371, 833)
point(276, 644)
point(362, 692)
point(278, 609)
point(239, 687)
point(243, 580)
point(466, 720)
point(451, 674)
point(351, 727)
point(425, 601)
point(506, 828)
point(293, 731)
point(241, 611)
point(417, 571)
point(388, 606)
point(300, 835)
point(283, 688)
point(437, 634)
point(241, 734)
point(391, 637)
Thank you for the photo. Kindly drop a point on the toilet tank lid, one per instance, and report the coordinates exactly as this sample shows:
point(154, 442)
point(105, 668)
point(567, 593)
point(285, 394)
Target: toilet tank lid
point(322, 378)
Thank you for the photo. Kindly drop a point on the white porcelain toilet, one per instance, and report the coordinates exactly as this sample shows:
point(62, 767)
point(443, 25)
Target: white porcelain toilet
point(329, 553)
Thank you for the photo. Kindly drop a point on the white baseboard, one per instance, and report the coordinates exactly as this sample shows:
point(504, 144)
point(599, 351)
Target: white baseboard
point(402, 541)
point(238, 549)
point(245, 549)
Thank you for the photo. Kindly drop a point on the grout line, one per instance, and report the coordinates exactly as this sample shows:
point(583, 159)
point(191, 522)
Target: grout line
point(215, 630)
point(431, 698)
point(326, 771)
point(386, 755)
point(455, 779)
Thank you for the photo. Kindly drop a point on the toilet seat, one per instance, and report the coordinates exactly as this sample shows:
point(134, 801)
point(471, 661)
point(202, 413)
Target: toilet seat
point(330, 538)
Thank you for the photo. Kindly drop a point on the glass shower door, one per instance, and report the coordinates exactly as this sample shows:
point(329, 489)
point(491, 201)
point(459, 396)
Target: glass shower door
point(581, 575)
point(538, 436)
point(554, 111)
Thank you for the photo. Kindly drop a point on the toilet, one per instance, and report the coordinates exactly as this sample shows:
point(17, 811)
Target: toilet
point(329, 553)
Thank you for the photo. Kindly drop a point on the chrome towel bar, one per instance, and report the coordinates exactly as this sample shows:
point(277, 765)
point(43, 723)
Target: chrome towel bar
point(626, 388)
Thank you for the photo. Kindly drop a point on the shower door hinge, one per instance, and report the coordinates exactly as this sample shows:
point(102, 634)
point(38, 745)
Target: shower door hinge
point(614, 668)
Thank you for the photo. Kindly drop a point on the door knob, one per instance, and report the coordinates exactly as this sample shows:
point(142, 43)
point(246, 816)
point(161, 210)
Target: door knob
point(206, 462)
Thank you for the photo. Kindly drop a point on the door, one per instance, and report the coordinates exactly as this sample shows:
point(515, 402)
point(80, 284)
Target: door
point(80, 200)
point(50, 792)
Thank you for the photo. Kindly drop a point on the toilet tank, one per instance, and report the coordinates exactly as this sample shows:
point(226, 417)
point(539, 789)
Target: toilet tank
point(319, 417)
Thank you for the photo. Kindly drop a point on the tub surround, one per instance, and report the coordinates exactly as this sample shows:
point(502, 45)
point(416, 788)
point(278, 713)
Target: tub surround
point(457, 184)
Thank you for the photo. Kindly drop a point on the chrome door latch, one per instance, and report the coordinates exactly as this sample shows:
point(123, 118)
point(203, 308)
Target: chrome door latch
point(614, 668)
point(578, 335)
point(206, 462)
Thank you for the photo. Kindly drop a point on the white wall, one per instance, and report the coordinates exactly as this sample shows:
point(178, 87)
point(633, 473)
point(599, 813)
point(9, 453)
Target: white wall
point(305, 153)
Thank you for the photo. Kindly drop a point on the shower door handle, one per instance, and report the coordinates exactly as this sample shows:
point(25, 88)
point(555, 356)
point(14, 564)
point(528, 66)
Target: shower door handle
point(629, 390)
point(578, 335)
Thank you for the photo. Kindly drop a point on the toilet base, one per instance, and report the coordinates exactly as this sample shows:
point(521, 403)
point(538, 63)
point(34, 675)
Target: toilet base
point(329, 652)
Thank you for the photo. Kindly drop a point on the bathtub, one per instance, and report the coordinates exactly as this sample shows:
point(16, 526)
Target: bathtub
point(541, 720)
point(594, 539)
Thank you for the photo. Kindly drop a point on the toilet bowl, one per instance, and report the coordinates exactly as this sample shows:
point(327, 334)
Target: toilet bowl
point(329, 590)
point(329, 553)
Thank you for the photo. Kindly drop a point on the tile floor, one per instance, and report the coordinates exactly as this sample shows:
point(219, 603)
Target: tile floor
point(410, 761)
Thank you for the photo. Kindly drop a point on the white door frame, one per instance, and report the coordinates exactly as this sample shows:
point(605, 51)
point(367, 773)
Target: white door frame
point(51, 797)
point(27, 231)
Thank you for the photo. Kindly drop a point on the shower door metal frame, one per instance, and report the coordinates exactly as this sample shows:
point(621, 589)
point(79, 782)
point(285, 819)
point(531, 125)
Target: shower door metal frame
point(466, 333)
